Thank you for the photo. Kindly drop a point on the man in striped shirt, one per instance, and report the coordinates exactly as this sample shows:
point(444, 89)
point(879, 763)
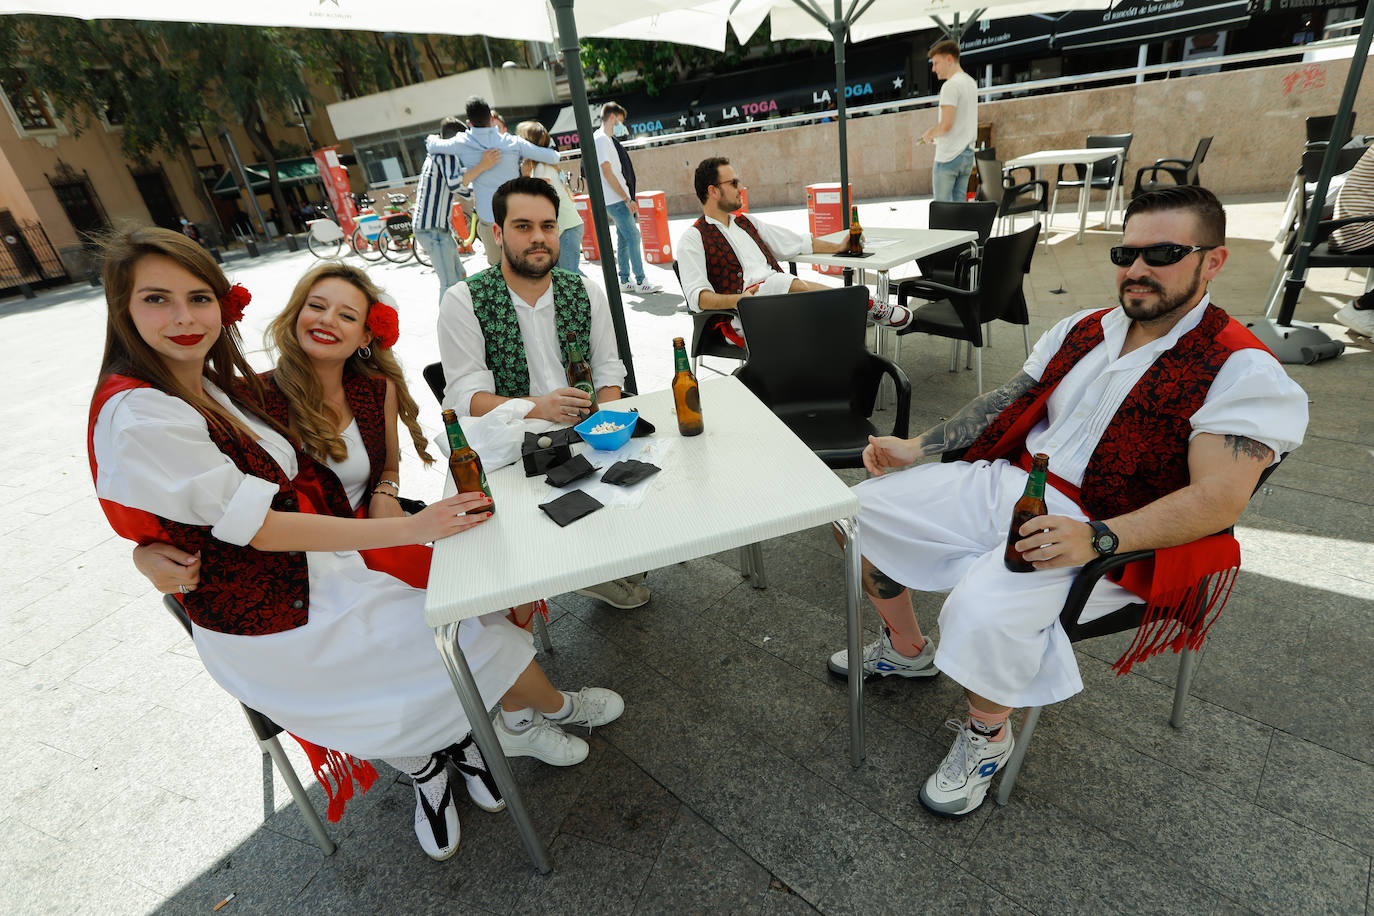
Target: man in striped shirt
point(440, 176)
point(1357, 199)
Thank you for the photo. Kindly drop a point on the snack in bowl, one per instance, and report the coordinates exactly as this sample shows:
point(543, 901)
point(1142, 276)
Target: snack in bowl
point(607, 430)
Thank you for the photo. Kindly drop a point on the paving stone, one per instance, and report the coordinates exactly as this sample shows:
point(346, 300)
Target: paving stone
point(1329, 792)
point(621, 806)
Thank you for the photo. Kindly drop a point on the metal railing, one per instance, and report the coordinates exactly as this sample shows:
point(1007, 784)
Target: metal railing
point(986, 93)
point(28, 260)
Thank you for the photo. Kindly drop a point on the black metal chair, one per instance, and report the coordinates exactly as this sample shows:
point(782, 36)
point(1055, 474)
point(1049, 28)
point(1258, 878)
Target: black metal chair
point(1322, 254)
point(1125, 618)
point(808, 362)
point(1011, 197)
point(707, 340)
point(1319, 129)
point(266, 731)
point(960, 314)
point(1179, 171)
point(1106, 174)
point(951, 267)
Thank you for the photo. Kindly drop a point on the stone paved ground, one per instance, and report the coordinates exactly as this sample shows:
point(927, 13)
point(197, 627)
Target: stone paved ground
point(129, 782)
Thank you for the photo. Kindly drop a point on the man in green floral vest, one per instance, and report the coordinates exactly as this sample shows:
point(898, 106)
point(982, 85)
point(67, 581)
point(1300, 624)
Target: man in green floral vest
point(501, 333)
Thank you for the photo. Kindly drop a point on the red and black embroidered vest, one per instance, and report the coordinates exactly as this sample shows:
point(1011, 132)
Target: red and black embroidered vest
point(366, 397)
point(242, 591)
point(1143, 454)
point(505, 345)
point(723, 269)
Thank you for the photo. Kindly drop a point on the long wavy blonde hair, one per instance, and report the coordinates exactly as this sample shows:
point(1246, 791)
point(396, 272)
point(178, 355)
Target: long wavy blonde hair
point(314, 422)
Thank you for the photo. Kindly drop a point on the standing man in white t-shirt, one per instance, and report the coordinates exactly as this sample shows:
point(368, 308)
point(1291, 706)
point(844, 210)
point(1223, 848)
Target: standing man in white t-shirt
point(957, 129)
point(620, 201)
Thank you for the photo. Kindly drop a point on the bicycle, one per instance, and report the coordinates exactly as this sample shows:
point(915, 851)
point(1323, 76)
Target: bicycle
point(396, 241)
point(463, 229)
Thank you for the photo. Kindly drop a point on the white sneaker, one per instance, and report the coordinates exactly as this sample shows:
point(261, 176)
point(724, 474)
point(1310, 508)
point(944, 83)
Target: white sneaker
point(1361, 321)
point(959, 786)
point(889, 316)
point(467, 759)
point(627, 287)
point(647, 288)
point(437, 830)
point(618, 593)
point(884, 661)
point(543, 740)
point(591, 706)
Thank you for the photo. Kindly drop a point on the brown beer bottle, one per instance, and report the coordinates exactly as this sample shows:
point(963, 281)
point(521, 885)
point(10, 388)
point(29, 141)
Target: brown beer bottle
point(686, 395)
point(1031, 504)
point(464, 465)
point(856, 234)
point(579, 370)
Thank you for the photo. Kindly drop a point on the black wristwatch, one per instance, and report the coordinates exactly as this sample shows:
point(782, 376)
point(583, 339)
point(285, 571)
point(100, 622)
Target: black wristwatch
point(1104, 540)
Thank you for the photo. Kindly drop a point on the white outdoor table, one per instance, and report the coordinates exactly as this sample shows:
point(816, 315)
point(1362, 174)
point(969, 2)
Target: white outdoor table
point(1084, 157)
point(746, 478)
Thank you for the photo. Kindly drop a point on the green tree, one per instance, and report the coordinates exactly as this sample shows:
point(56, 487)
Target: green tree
point(656, 65)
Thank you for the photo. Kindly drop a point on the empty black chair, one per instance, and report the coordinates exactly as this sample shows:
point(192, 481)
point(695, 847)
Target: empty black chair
point(809, 363)
point(961, 313)
point(1179, 171)
point(1319, 129)
point(266, 731)
point(1105, 177)
point(434, 377)
point(1011, 197)
point(950, 267)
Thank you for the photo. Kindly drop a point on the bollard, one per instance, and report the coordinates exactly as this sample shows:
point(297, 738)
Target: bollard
point(252, 247)
point(291, 243)
point(27, 290)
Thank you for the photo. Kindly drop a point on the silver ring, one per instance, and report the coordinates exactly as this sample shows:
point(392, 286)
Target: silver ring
point(182, 588)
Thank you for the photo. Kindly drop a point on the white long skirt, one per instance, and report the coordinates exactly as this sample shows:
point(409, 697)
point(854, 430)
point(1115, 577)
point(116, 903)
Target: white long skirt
point(363, 675)
point(943, 528)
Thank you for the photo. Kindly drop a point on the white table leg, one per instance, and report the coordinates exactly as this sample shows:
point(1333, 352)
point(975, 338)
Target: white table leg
point(1083, 203)
point(853, 571)
point(446, 638)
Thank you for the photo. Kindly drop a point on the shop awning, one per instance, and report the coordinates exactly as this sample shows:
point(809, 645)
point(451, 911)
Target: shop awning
point(289, 172)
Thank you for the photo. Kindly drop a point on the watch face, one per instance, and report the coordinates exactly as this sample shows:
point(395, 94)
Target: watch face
point(1104, 541)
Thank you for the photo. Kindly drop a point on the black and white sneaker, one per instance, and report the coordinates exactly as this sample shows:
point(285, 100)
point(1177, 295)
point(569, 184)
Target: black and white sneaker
point(436, 826)
point(466, 758)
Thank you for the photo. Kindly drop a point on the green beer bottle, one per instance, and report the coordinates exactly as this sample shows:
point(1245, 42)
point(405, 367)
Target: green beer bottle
point(464, 464)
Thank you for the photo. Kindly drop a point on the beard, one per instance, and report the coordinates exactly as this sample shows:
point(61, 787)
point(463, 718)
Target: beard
point(523, 265)
point(1166, 302)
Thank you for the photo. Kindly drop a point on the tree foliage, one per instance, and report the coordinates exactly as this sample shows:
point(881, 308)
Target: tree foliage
point(656, 65)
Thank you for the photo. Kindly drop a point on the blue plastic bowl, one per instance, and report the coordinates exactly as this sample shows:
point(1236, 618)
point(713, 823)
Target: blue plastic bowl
point(608, 442)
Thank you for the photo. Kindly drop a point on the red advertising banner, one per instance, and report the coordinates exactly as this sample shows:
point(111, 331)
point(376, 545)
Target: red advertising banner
point(590, 250)
point(336, 185)
point(824, 214)
point(653, 226)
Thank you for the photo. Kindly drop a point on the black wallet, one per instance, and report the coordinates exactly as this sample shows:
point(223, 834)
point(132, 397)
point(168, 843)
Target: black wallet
point(569, 507)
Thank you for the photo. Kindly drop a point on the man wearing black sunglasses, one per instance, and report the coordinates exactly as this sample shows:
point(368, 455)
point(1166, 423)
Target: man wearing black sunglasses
point(725, 256)
point(1158, 418)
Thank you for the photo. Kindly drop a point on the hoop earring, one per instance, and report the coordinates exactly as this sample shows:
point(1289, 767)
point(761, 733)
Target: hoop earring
point(365, 352)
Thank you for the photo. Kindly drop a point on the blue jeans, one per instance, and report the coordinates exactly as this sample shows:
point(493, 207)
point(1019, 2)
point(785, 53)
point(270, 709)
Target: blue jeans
point(627, 244)
point(950, 179)
point(570, 248)
point(442, 249)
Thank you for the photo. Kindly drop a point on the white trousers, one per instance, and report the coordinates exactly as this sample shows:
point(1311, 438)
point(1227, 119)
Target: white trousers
point(943, 528)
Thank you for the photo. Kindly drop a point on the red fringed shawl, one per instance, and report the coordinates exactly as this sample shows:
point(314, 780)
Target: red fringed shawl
point(336, 771)
point(1142, 456)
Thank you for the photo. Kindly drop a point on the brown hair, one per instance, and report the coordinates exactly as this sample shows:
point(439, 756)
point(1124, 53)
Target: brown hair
point(314, 422)
point(126, 353)
point(613, 108)
point(944, 47)
point(1202, 203)
point(534, 132)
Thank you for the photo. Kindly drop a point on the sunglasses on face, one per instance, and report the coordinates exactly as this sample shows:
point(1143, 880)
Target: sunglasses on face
point(1154, 255)
point(733, 182)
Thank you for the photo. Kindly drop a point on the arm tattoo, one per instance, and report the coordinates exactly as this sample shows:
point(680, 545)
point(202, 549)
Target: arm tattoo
point(962, 429)
point(1241, 445)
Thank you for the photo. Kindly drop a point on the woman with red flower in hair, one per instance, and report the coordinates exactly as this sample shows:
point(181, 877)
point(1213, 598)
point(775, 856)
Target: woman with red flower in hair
point(286, 614)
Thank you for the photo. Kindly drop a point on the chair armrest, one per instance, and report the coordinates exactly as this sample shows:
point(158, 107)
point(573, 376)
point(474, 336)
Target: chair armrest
point(1179, 175)
point(1029, 187)
point(919, 286)
point(792, 268)
point(1008, 174)
point(1179, 163)
point(1087, 578)
point(902, 420)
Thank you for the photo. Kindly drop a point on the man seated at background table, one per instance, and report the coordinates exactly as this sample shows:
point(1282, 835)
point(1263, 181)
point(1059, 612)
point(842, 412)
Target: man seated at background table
point(501, 334)
point(725, 256)
point(1158, 418)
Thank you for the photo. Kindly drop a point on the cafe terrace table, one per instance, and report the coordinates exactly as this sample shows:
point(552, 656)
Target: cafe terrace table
point(745, 479)
point(1083, 157)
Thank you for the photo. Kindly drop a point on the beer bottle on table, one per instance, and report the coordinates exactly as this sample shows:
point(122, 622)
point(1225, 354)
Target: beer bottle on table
point(856, 234)
point(686, 395)
point(1030, 505)
point(464, 464)
point(579, 370)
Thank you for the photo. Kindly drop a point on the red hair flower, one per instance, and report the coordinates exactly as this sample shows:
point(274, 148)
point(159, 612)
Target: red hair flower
point(232, 303)
point(384, 324)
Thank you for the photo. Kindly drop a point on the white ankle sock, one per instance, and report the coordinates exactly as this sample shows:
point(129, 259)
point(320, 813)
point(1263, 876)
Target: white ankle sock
point(519, 720)
point(564, 711)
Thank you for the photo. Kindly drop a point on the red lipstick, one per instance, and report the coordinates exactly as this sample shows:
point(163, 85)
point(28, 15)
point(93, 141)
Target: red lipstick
point(187, 340)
